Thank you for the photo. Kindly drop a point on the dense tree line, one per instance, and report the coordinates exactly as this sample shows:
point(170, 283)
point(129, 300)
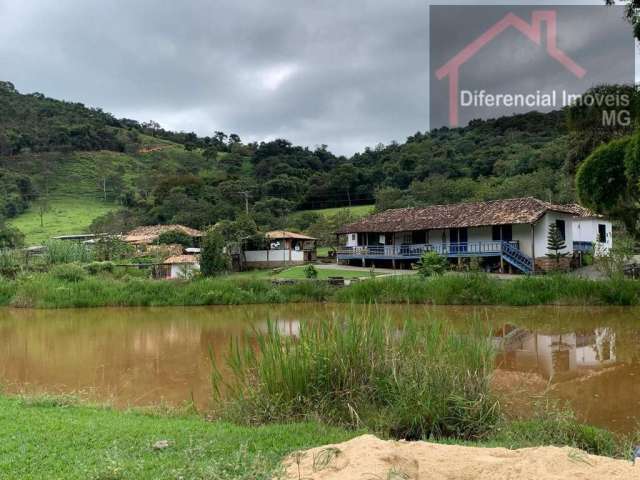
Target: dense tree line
point(507, 157)
point(203, 180)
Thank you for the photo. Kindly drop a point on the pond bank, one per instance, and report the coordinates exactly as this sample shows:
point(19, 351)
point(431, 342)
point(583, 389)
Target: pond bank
point(48, 290)
point(100, 443)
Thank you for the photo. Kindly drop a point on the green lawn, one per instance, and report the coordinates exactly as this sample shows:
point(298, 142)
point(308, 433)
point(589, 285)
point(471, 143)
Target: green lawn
point(357, 211)
point(65, 216)
point(44, 439)
point(297, 273)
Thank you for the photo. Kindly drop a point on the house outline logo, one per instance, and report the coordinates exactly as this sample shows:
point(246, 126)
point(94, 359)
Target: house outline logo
point(532, 31)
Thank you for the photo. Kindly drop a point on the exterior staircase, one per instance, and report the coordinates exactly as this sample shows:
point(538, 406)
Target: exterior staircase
point(514, 256)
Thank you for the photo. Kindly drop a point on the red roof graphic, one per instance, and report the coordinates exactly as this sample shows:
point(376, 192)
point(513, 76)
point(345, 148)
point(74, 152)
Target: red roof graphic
point(532, 31)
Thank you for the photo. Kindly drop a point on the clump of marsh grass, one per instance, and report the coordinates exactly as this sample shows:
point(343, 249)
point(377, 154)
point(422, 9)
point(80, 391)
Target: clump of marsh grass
point(554, 423)
point(416, 380)
point(10, 263)
point(50, 400)
point(59, 251)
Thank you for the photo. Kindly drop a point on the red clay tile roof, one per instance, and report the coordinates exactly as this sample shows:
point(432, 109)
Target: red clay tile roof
point(182, 259)
point(149, 234)
point(459, 215)
point(580, 211)
point(275, 234)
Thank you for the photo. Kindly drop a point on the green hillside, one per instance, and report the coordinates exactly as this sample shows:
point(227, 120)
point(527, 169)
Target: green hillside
point(356, 211)
point(84, 163)
point(63, 216)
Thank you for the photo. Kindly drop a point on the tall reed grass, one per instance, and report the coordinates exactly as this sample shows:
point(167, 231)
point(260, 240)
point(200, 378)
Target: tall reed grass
point(59, 251)
point(480, 289)
point(417, 380)
point(56, 290)
point(11, 262)
point(53, 290)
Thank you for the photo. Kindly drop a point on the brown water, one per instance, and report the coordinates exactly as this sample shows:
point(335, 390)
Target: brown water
point(148, 356)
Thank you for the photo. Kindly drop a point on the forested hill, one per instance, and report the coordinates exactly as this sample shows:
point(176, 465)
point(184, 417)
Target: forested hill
point(53, 149)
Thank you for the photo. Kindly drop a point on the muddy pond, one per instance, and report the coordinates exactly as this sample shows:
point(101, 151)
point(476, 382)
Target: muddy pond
point(589, 357)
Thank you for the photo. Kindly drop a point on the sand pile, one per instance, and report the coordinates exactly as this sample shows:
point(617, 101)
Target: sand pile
point(369, 458)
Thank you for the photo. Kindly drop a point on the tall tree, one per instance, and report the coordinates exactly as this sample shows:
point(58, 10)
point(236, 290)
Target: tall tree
point(555, 243)
point(632, 11)
point(607, 181)
point(213, 259)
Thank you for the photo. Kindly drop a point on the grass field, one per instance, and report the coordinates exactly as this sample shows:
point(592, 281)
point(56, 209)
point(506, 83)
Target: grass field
point(66, 215)
point(297, 273)
point(76, 184)
point(53, 438)
point(357, 211)
point(47, 439)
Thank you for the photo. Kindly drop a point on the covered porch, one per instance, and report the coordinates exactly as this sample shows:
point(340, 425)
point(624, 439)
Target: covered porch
point(514, 230)
point(508, 243)
point(481, 248)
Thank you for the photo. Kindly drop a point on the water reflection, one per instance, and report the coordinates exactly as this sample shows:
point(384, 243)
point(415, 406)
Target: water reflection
point(142, 356)
point(558, 355)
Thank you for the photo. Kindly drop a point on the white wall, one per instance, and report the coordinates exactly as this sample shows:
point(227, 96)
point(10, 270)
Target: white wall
point(586, 230)
point(479, 234)
point(522, 233)
point(542, 230)
point(402, 238)
point(594, 355)
point(547, 344)
point(183, 270)
point(435, 236)
point(274, 256)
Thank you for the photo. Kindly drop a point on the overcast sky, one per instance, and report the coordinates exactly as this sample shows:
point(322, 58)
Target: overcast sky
point(343, 73)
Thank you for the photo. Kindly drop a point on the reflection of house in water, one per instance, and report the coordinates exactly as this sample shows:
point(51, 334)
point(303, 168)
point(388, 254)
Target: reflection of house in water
point(554, 354)
point(285, 327)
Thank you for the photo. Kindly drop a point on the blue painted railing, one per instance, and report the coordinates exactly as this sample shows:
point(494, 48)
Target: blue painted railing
point(583, 247)
point(516, 257)
point(462, 249)
point(509, 251)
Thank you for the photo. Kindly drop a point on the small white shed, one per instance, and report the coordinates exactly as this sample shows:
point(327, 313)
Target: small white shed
point(180, 267)
point(284, 249)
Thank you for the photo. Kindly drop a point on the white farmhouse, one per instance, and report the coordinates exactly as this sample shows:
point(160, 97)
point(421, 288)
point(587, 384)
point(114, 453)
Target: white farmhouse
point(508, 234)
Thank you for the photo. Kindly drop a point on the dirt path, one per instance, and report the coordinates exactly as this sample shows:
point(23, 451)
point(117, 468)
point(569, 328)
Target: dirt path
point(368, 457)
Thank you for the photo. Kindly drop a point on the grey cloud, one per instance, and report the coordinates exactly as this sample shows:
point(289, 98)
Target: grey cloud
point(343, 73)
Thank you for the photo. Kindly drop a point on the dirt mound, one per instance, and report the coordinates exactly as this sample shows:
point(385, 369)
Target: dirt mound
point(369, 458)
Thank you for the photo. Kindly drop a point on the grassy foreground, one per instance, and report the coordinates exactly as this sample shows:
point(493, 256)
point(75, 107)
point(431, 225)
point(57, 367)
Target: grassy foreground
point(53, 439)
point(46, 290)
point(47, 439)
